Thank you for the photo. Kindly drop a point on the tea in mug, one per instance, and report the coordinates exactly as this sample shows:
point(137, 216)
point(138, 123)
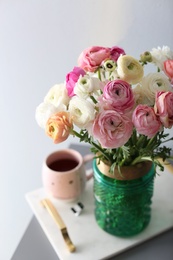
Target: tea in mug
point(63, 165)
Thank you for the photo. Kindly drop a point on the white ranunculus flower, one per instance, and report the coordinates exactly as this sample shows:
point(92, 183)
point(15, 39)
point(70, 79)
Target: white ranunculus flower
point(154, 82)
point(140, 97)
point(81, 111)
point(113, 75)
point(159, 55)
point(44, 111)
point(57, 95)
point(86, 86)
point(129, 69)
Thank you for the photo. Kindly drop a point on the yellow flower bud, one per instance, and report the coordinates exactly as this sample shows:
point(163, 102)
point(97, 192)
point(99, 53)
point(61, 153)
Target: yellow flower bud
point(146, 57)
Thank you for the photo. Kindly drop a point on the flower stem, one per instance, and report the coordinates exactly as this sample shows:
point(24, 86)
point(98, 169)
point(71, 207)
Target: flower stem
point(170, 139)
point(75, 133)
point(99, 74)
point(93, 99)
point(100, 150)
point(140, 159)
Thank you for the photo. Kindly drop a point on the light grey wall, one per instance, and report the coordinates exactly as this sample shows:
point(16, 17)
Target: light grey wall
point(40, 41)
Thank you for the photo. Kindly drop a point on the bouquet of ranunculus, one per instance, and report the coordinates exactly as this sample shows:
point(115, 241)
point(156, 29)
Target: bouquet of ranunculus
point(110, 102)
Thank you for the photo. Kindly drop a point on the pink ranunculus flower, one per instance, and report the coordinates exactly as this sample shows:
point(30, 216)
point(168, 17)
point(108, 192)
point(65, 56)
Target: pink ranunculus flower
point(71, 79)
point(112, 129)
point(91, 58)
point(168, 67)
point(116, 52)
point(118, 95)
point(146, 121)
point(164, 107)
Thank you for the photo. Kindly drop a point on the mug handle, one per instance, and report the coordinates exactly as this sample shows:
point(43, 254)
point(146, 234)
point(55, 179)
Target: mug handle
point(88, 158)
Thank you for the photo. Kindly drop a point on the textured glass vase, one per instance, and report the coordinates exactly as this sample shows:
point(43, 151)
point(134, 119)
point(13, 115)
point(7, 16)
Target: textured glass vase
point(123, 207)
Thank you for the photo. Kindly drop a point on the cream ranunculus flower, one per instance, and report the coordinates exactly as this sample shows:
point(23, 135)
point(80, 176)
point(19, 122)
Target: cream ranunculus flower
point(44, 111)
point(87, 86)
point(159, 55)
point(57, 95)
point(154, 82)
point(129, 69)
point(82, 112)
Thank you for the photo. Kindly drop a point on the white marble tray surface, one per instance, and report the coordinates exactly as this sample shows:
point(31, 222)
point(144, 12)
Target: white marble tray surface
point(90, 240)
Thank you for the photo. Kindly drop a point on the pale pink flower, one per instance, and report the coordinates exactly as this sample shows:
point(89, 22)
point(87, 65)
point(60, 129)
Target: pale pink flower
point(71, 79)
point(112, 129)
point(164, 108)
point(115, 52)
point(168, 68)
point(91, 58)
point(118, 95)
point(146, 121)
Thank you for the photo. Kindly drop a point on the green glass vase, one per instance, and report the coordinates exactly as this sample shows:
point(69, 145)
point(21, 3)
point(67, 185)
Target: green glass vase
point(123, 207)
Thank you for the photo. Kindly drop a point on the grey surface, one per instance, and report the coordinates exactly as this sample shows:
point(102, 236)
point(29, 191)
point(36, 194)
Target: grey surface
point(34, 244)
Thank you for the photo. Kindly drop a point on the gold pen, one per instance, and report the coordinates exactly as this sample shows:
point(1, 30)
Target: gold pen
point(60, 223)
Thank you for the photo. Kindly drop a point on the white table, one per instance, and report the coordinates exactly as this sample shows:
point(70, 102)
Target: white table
point(92, 242)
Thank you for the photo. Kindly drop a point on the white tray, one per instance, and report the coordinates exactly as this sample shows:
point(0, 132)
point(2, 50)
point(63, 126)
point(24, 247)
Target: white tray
point(90, 240)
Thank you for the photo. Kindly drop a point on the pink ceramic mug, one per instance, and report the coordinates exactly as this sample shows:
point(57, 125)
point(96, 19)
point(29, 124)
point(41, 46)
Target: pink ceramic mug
point(64, 175)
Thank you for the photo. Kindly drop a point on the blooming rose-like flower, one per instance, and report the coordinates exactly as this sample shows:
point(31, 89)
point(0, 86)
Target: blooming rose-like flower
point(118, 95)
point(164, 108)
point(115, 53)
point(57, 95)
point(112, 129)
point(154, 82)
point(86, 86)
point(81, 111)
point(146, 121)
point(58, 126)
point(159, 55)
point(45, 110)
point(139, 95)
point(129, 69)
point(91, 58)
point(71, 79)
point(168, 68)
